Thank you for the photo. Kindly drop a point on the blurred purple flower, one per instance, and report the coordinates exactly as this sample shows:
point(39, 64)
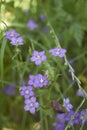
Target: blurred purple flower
point(17, 41)
point(58, 52)
point(67, 104)
point(26, 91)
point(60, 124)
point(45, 29)
point(32, 24)
point(38, 57)
point(42, 18)
point(11, 34)
point(10, 90)
point(80, 93)
point(38, 81)
point(31, 105)
point(83, 116)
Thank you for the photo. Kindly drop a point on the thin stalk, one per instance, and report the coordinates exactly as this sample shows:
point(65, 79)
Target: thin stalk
point(23, 120)
point(41, 114)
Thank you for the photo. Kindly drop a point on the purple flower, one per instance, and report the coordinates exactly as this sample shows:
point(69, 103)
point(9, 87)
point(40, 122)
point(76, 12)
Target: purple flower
point(32, 24)
point(43, 18)
point(10, 90)
point(38, 81)
point(11, 34)
point(17, 41)
point(80, 93)
point(31, 105)
point(83, 116)
point(38, 57)
point(60, 124)
point(67, 104)
point(26, 91)
point(58, 52)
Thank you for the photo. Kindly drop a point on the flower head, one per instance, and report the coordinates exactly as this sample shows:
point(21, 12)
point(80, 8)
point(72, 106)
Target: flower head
point(11, 34)
point(42, 17)
point(32, 24)
point(38, 57)
point(17, 41)
point(10, 90)
point(67, 104)
point(31, 105)
point(60, 124)
point(58, 52)
point(80, 93)
point(38, 81)
point(26, 91)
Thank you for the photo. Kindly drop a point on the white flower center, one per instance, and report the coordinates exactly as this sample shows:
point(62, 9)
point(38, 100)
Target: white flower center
point(41, 80)
point(27, 92)
point(12, 34)
point(31, 105)
point(38, 57)
point(57, 52)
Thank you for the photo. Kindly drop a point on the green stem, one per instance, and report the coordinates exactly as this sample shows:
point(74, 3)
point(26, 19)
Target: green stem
point(46, 123)
point(41, 114)
point(2, 59)
point(23, 120)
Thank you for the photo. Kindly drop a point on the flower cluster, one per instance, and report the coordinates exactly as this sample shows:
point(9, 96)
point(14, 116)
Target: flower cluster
point(35, 81)
point(30, 99)
point(70, 117)
point(14, 37)
point(39, 57)
point(63, 118)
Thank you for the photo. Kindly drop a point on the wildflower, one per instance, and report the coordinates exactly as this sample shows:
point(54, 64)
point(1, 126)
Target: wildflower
point(60, 124)
point(10, 90)
point(38, 57)
point(32, 24)
point(80, 93)
point(83, 116)
point(31, 105)
point(42, 17)
point(17, 41)
point(38, 81)
point(11, 34)
point(58, 52)
point(67, 104)
point(26, 91)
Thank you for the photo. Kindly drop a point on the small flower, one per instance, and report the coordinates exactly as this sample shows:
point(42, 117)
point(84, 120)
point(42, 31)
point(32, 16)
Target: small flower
point(31, 105)
point(60, 124)
point(38, 57)
point(80, 93)
point(26, 91)
point(10, 90)
point(67, 104)
point(43, 18)
point(32, 24)
point(83, 116)
point(38, 81)
point(58, 52)
point(11, 34)
point(17, 41)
